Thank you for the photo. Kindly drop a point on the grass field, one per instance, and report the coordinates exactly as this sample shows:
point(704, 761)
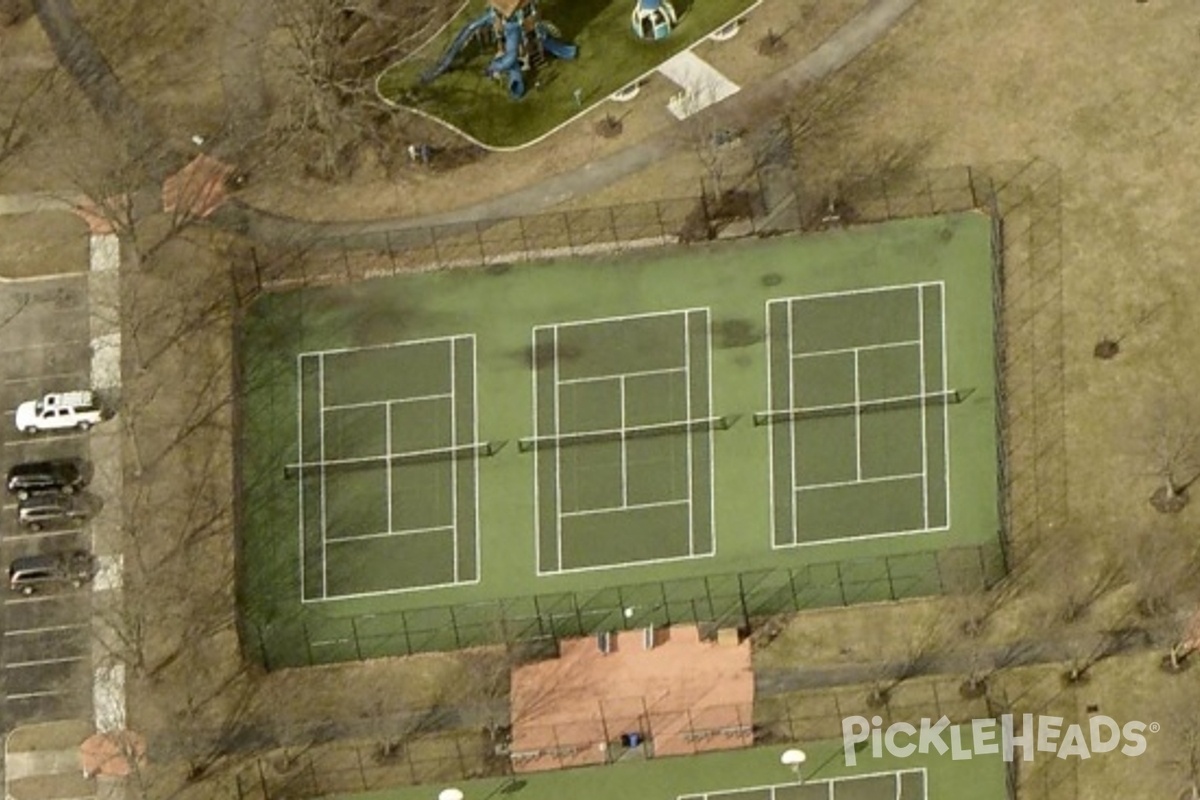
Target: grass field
point(754, 774)
point(524, 435)
point(610, 57)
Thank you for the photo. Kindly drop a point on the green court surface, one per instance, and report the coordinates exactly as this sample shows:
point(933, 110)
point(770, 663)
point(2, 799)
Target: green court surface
point(415, 445)
point(753, 774)
point(610, 57)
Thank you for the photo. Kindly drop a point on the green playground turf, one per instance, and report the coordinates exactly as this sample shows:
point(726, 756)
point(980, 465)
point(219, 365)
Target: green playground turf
point(610, 57)
point(701, 355)
point(753, 774)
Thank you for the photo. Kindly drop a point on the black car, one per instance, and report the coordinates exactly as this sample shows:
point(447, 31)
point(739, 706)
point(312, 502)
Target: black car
point(64, 475)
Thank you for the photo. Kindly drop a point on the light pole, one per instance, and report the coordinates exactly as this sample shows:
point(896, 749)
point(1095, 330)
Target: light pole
point(793, 759)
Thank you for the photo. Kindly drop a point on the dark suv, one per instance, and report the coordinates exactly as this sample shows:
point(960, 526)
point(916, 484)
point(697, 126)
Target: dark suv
point(63, 475)
point(30, 574)
point(39, 510)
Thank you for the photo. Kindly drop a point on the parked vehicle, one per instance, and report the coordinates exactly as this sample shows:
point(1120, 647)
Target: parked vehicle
point(59, 411)
point(60, 474)
point(30, 574)
point(39, 510)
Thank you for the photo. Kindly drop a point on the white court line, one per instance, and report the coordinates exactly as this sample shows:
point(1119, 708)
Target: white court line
point(687, 388)
point(842, 350)
point(625, 507)
point(792, 422)
point(907, 476)
point(387, 451)
point(857, 422)
point(924, 409)
point(454, 443)
point(601, 320)
point(557, 461)
point(791, 785)
point(43, 662)
point(389, 534)
point(624, 450)
point(425, 587)
point(46, 629)
point(370, 403)
point(770, 406)
point(868, 536)
point(869, 290)
point(409, 343)
point(537, 475)
point(712, 452)
point(945, 407)
point(635, 374)
point(649, 562)
point(321, 475)
point(475, 438)
point(300, 457)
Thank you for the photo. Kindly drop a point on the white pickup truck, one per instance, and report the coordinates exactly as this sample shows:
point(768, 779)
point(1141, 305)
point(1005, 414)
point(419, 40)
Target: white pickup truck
point(59, 411)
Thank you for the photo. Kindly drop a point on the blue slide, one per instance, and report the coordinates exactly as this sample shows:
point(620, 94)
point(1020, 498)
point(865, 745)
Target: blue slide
point(452, 51)
point(557, 47)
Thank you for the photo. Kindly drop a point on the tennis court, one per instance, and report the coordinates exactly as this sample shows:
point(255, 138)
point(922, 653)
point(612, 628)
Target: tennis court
point(908, 784)
point(387, 486)
point(859, 410)
point(622, 443)
point(435, 460)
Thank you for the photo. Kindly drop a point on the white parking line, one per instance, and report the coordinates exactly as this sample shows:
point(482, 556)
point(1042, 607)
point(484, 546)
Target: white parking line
point(43, 662)
point(33, 695)
point(68, 343)
point(45, 534)
point(37, 598)
point(47, 629)
point(39, 439)
point(76, 374)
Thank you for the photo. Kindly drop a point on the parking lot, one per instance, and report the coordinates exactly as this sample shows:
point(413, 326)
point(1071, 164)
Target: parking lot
point(46, 645)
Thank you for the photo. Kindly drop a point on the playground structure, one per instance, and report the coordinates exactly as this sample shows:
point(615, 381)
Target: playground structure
point(522, 42)
point(653, 20)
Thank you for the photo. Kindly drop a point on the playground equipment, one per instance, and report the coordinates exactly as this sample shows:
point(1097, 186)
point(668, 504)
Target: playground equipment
point(522, 41)
point(653, 19)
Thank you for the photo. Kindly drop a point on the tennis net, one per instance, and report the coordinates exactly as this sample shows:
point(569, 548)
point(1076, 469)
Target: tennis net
point(623, 434)
point(465, 451)
point(950, 397)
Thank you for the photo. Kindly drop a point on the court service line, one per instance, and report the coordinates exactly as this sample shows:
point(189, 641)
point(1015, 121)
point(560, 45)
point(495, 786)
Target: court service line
point(623, 565)
point(687, 377)
point(386, 534)
point(626, 507)
point(837, 484)
point(635, 374)
point(842, 350)
point(370, 403)
point(924, 410)
point(425, 587)
point(945, 408)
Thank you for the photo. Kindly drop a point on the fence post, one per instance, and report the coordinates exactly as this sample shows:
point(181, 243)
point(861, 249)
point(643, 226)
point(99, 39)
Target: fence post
point(887, 570)
point(971, 187)
point(437, 255)
point(387, 242)
point(407, 637)
point(612, 223)
point(524, 238)
point(662, 226)
point(307, 642)
point(454, 627)
point(566, 215)
point(837, 565)
point(354, 632)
